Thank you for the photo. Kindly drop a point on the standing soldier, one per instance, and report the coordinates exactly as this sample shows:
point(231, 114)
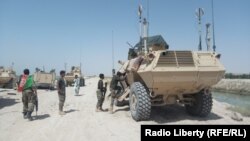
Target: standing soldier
point(76, 85)
point(114, 87)
point(61, 92)
point(29, 94)
point(101, 90)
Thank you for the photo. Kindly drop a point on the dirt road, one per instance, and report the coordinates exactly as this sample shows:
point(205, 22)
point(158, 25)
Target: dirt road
point(81, 122)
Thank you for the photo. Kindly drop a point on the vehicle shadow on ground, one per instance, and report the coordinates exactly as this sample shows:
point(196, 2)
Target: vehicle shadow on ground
point(4, 102)
point(70, 111)
point(121, 109)
point(41, 117)
point(174, 113)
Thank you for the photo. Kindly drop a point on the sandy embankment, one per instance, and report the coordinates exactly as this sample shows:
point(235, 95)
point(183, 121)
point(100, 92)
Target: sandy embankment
point(238, 86)
point(82, 122)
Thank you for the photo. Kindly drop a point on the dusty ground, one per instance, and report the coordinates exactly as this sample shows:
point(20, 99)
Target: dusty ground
point(82, 122)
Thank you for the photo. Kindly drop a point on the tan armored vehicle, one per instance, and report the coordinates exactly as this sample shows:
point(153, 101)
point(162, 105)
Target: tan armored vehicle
point(8, 78)
point(69, 77)
point(45, 79)
point(158, 76)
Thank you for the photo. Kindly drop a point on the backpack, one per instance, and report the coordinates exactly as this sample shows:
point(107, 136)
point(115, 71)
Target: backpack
point(22, 83)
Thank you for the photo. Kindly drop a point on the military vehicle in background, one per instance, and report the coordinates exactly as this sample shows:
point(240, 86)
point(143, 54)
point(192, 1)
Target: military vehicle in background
point(8, 78)
point(69, 77)
point(45, 80)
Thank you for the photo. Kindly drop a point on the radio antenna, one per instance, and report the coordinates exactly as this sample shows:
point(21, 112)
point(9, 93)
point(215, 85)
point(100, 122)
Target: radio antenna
point(199, 13)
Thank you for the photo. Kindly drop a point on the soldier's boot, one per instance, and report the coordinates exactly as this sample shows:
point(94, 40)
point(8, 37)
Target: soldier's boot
point(98, 109)
point(102, 109)
point(111, 109)
point(29, 116)
point(25, 115)
point(61, 112)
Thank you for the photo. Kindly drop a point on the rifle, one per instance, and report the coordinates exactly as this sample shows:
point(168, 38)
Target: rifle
point(105, 90)
point(36, 104)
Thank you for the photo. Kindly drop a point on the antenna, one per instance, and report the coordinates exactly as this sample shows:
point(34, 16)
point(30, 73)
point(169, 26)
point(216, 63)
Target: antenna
point(140, 22)
point(113, 58)
point(65, 66)
point(80, 61)
point(214, 46)
point(199, 13)
point(12, 65)
point(145, 24)
point(208, 36)
point(130, 45)
point(143, 30)
point(148, 15)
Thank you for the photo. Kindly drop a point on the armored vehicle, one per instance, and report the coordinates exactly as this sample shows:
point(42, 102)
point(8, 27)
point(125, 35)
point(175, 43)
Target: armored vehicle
point(157, 76)
point(8, 78)
point(69, 77)
point(45, 79)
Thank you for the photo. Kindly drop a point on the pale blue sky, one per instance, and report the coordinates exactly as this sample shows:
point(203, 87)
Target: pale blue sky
point(49, 33)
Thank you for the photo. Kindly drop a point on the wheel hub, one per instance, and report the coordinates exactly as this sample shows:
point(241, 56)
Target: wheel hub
point(134, 103)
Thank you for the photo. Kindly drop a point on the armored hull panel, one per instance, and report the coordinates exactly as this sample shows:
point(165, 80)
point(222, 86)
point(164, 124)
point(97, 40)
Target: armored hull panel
point(180, 72)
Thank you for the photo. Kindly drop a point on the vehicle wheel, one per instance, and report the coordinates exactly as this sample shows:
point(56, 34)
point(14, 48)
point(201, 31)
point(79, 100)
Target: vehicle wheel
point(139, 102)
point(202, 104)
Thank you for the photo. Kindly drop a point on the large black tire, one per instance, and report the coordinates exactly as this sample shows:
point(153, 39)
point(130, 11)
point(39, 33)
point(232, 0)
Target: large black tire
point(139, 102)
point(202, 104)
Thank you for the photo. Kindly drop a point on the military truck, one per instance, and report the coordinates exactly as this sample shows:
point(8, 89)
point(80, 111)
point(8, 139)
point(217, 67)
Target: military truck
point(157, 76)
point(45, 80)
point(8, 78)
point(69, 77)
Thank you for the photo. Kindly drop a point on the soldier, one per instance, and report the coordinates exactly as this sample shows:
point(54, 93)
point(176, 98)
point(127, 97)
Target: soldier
point(29, 94)
point(114, 87)
point(76, 85)
point(101, 90)
point(61, 88)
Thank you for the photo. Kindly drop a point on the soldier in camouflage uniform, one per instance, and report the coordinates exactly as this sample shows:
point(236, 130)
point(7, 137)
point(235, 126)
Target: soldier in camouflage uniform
point(61, 88)
point(29, 95)
point(115, 89)
point(100, 92)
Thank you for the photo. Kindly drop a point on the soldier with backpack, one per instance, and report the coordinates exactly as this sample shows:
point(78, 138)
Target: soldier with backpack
point(29, 93)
